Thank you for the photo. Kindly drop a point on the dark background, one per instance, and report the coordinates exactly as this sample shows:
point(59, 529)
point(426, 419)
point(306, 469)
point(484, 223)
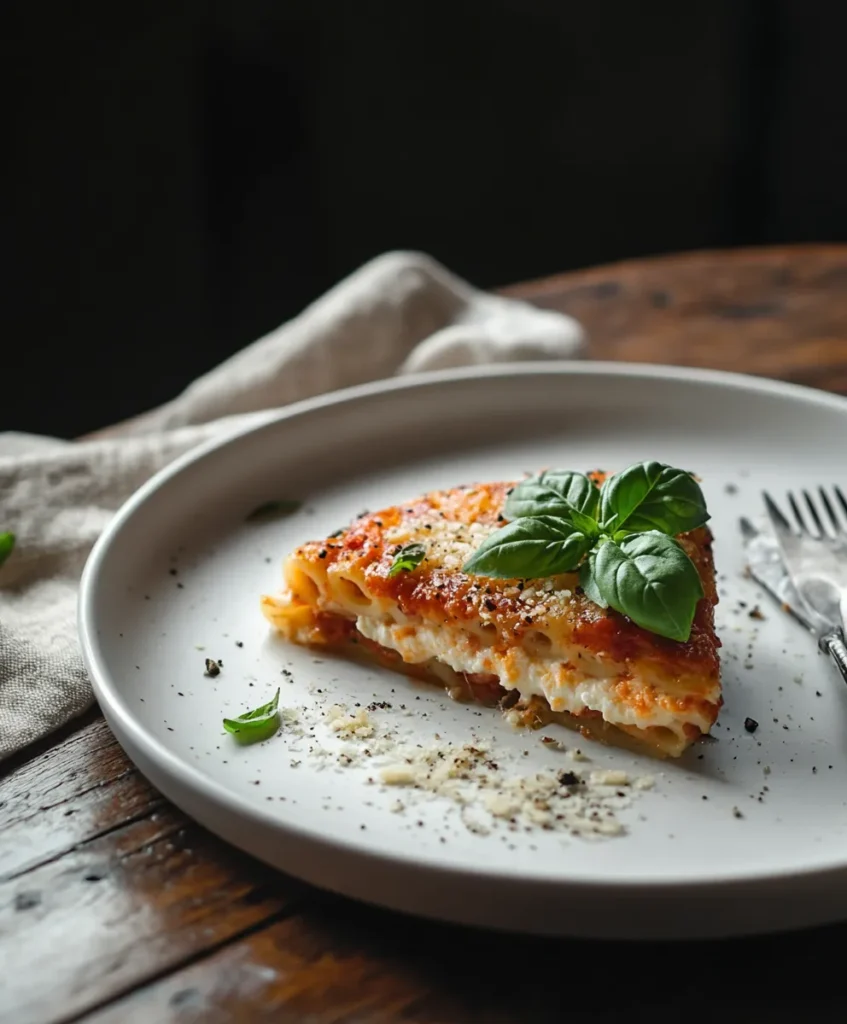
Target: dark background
point(182, 177)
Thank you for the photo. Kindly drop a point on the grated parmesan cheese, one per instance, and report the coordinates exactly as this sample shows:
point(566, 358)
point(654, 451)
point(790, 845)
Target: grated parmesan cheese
point(399, 775)
point(610, 777)
point(483, 784)
point(358, 724)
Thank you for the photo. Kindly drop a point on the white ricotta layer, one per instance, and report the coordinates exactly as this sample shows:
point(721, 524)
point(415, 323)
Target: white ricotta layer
point(564, 688)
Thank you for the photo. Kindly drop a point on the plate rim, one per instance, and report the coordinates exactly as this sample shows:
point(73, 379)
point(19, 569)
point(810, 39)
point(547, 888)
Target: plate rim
point(187, 777)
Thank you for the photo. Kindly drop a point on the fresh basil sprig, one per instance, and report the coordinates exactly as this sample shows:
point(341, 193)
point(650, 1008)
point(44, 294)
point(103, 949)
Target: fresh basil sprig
point(7, 544)
point(407, 558)
point(620, 536)
point(259, 724)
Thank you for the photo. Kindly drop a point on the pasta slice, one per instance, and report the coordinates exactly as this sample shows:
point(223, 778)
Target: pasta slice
point(540, 648)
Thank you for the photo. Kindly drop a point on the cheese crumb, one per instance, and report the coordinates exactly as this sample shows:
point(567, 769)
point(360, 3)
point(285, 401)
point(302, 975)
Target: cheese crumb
point(357, 724)
point(609, 777)
point(610, 828)
point(501, 805)
point(398, 775)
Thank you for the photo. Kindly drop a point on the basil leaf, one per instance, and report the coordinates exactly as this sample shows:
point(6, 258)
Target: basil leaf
point(262, 711)
point(407, 558)
point(652, 496)
point(588, 582)
point(274, 510)
point(259, 724)
point(584, 523)
point(7, 544)
point(529, 548)
point(557, 492)
point(649, 578)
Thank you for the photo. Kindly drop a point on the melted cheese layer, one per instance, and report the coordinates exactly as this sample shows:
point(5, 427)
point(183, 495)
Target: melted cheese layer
point(593, 686)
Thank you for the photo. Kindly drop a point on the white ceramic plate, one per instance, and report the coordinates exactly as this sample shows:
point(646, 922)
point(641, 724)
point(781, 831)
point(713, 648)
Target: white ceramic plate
point(688, 865)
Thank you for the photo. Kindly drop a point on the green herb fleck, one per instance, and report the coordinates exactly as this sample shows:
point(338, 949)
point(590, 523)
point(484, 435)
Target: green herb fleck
point(407, 558)
point(274, 510)
point(7, 544)
point(259, 724)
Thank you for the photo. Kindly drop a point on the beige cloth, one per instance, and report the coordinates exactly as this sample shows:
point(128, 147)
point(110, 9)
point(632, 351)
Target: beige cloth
point(401, 313)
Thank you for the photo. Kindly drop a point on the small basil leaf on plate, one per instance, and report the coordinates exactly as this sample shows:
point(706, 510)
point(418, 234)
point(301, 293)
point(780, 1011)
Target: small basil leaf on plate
point(259, 724)
point(650, 579)
point(407, 558)
point(652, 496)
point(7, 544)
point(274, 510)
point(556, 492)
point(530, 548)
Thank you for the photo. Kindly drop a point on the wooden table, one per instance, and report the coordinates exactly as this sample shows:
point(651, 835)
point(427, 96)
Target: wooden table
point(116, 908)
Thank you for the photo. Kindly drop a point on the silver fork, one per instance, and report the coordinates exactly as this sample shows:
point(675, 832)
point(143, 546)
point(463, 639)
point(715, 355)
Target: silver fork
point(814, 551)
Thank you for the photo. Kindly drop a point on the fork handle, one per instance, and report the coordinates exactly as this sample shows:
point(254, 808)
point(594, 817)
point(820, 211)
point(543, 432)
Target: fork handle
point(832, 643)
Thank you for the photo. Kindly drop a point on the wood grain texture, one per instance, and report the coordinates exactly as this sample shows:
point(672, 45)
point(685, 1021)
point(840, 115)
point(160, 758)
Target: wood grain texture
point(339, 961)
point(114, 909)
point(775, 312)
point(103, 886)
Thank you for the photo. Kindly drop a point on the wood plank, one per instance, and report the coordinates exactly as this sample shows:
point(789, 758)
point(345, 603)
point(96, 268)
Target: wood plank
point(103, 885)
point(122, 909)
point(779, 312)
point(67, 795)
point(341, 961)
point(286, 972)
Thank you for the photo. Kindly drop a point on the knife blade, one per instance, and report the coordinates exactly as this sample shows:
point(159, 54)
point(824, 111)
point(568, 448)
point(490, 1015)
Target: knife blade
point(766, 567)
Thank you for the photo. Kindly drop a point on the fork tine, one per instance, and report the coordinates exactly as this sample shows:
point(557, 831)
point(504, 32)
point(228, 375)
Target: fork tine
point(778, 521)
point(798, 515)
point(813, 512)
point(841, 499)
point(748, 530)
point(827, 504)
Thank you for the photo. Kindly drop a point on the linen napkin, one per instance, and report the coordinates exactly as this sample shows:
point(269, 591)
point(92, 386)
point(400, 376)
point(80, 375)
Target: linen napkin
point(401, 313)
